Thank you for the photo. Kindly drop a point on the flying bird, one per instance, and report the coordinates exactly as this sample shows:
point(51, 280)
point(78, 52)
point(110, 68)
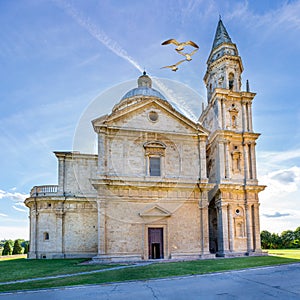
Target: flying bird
point(174, 67)
point(188, 56)
point(180, 46)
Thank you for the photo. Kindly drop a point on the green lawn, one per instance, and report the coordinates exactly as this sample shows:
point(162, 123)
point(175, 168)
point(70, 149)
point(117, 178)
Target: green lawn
point(288, 253)
point(16, 269)
point(22, 269)
point(9, 257)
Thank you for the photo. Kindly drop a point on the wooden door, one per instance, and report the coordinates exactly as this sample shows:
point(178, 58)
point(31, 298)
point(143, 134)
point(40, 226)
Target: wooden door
point(155, 238)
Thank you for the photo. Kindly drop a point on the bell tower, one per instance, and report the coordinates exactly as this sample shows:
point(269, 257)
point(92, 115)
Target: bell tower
point(224, 65)
point(231, 160)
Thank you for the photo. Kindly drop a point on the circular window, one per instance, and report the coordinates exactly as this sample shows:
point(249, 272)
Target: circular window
point(237, 211)
point(153, 116)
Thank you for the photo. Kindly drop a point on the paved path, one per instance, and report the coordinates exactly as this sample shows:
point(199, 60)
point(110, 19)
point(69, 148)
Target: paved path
point(280, 282)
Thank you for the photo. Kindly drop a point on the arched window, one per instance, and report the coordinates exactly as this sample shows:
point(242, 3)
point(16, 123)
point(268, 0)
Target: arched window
point(46, 236)
point(230, 80)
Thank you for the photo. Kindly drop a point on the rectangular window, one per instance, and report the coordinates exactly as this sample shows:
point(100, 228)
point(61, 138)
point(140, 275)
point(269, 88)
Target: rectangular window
point(154, 166)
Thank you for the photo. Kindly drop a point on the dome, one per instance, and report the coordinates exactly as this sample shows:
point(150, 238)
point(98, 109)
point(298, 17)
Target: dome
point(144, 89)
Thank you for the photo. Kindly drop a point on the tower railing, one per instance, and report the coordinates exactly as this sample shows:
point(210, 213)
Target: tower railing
point(43, 190)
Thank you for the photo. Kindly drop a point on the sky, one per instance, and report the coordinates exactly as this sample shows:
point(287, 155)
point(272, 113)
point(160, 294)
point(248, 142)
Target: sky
point(60, 57)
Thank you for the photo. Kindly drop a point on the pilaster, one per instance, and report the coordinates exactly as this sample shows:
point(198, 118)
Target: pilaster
point(246, 161)
point(102, 150)
point(101, 227)
point(227, 160)
point(202, 157)
point(222, 229)
point(257, 228)
point(204, 231)
point(221, 162)
point(60, 236)
point(248, 229)
point(230, 227)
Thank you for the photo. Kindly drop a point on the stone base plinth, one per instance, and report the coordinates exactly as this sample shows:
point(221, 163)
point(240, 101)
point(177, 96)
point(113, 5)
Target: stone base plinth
point(116, 258)
point(229, 254)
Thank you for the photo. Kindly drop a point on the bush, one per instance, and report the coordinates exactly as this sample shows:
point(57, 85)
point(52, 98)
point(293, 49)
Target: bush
point(26, 247)
point(17, 248)
point(7, 250)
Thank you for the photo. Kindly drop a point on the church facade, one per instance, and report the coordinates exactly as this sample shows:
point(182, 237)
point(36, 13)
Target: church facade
point(161, 186)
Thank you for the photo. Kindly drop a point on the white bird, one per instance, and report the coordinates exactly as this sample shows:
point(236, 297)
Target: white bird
point(180, 46)
point(188, 56)
point(174, 67)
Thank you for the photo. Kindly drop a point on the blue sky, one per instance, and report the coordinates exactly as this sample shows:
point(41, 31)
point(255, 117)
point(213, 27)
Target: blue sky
point(58, 57)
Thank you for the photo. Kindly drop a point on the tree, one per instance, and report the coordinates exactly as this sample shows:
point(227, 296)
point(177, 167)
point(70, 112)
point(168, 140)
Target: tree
point(7, 249)
point(266, 239)
point(297, 233)
point(17, 248)
point(276, 242)
point(287, 237)
point(26, 247)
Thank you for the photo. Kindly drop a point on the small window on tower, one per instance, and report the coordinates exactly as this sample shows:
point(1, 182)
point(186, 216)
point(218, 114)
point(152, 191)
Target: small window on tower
point(46, 236)
point(231, 80)
point(154, 166)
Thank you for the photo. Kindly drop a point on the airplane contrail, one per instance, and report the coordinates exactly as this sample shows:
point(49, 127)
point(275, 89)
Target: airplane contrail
point(112, 45)
point(97, 33)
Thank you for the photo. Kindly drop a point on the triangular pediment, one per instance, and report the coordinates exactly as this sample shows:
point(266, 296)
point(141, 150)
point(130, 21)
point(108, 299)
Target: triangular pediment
point(136, 115)
point(155, 211)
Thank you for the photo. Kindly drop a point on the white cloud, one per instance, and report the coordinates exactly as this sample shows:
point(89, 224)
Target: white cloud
point(13, 196)
point(20, 209)
point(279, 157)
point(281, 182)
point(280, 209)
point(3, 215)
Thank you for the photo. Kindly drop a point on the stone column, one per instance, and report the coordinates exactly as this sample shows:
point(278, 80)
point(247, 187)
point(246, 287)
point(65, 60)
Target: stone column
point(60, 239)
point(61, 175)
point(246, 161)
point(250, 165)
point(102, 152)
point(227, 160)
point(222, 229)
point(253, 161)
point(101, 227)
point(248, 228)
point(223, 115)
point(245, 122)
point(33, 233)
point(250, 116)
point(230, 227)
point(202, 158)
point(204, 232)
point(257, 228)
point(219, 116)
point(221, 160)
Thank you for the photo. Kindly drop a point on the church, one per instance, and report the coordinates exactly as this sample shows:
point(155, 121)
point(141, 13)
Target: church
point(161, 186)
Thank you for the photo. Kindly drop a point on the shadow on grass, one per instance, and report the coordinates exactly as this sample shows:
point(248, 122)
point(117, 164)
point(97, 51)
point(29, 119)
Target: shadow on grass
point(155, 270)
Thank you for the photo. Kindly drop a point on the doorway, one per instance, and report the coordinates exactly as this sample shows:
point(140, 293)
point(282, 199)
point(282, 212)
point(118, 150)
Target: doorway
point(155, 243)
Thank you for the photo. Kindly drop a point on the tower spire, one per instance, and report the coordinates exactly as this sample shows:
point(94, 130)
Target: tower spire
point(221, 35)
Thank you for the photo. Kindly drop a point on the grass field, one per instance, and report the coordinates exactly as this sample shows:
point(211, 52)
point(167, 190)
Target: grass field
point(9, 257)
point(23, 269)
point(288, 253)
